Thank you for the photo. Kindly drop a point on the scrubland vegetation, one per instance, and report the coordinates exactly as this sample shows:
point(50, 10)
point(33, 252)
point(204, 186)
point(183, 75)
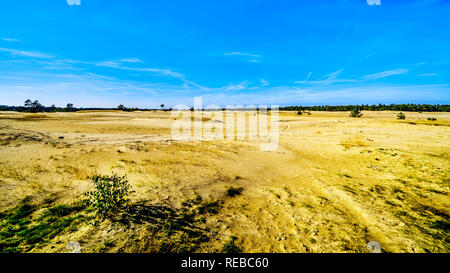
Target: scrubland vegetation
point(115, 181)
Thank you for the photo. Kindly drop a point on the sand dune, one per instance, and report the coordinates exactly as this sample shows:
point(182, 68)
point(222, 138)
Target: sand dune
point(334, 184)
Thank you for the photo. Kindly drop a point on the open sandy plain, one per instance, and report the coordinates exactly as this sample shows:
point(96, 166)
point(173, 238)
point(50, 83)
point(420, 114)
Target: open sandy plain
point(334, 184)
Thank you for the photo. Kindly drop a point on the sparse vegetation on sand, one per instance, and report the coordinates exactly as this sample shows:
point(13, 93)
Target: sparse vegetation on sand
point(356, 113)
point(19, 232)
point(230, 246)
point(334, 184)
point(401, 115)
point(231, 192)
point(111, 195)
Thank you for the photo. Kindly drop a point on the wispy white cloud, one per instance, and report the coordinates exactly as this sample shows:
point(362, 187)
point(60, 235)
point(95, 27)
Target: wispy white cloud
point(119, 64)
point(286, 95)
point(334, 75)
point(328, 79)
point(10, 40)
point(264, 82)
point(94, 90)
point(86, 89)
point(242, 54)
point(131, 60)
point(239, 86)
point(385, 74)
point(22, 53)
point(333, 78)
point(51, 63)
point(309, 76)
point(250, 57)
point(47, 61)
point(177, 87)
point(113, 64)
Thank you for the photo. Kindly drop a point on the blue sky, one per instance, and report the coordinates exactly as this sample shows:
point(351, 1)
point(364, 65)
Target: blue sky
point(145, 53)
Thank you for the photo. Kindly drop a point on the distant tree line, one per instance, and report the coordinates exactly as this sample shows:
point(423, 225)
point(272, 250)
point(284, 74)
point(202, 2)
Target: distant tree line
point(374, 107)
point(121, 107)
point(35, 106)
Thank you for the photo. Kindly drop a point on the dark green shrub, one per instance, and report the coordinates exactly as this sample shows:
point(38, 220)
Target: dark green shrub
point(299, 113)
point(231, 247)
point(401, 115)
point(61, 210)
point(432, 119)
point(231, 192)
point(110, 195)
point(356, 113)
point(209, 207)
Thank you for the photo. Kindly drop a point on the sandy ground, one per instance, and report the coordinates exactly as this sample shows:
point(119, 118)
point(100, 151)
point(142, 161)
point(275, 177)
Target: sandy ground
point(334, 184)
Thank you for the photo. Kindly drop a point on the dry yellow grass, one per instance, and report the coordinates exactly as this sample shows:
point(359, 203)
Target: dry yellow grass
point(334, 184)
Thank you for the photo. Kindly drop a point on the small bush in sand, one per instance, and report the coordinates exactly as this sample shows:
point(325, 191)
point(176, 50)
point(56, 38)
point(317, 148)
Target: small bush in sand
point(110, 195)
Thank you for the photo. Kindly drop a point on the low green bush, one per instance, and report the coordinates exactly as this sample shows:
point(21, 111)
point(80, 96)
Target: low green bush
point(111, 195)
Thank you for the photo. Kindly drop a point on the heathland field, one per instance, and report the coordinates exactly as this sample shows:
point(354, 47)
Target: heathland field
point(334, 184)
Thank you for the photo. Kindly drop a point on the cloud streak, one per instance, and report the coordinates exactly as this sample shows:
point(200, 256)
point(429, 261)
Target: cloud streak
point(386, 74)
point(328, 79)
point(22, 53)
point(10, 40)
point(250, 57)
point(333, 78)
point(242, 54)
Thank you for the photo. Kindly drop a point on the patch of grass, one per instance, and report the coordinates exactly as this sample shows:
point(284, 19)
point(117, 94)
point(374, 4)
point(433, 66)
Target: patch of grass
point(230, 246)
point(437, 191)
point(209, 207)
point(442, 225)
point(18, 233)
point(22, 211)
point(193, 201)
point(349, 189)
point(378, 189)
point(61, 210)
point(397, 190)
point(402, 214)
point(288, 191)
point(390, 203)
point(108, 243)
point(425, 210)
point(232, 192)
point(35, 116)
point(105, 246)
